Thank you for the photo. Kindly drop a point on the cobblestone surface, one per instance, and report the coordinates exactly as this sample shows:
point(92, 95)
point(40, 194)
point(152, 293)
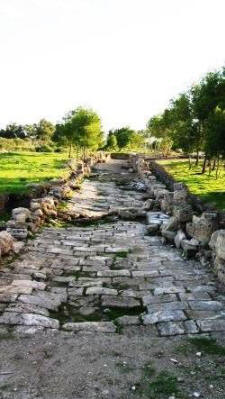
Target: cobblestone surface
point(108, 274)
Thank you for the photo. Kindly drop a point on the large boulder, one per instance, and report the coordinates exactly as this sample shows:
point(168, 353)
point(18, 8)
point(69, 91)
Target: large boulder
point(21, 215)
point(6, 243)
point(217, 243)
point(172, 224)
point(202, 227)
point(183, 213)
point(179, 196)
point(167, 203)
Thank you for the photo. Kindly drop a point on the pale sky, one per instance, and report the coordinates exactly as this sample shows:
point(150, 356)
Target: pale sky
point(123, 58)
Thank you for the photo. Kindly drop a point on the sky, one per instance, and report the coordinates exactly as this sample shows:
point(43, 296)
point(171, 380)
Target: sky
point(123, 58)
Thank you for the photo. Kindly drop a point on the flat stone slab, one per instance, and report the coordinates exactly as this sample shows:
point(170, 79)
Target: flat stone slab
point(168, 290)
point(206, 305)
point(103, 327)
point(168, 306)
point(113, 273)
point(194, 296)
point(27, 308)
point(43, 299)
point(28, 319)
point(164, 315)
point(145, 273)
point(128, 321)
point(170, 328)
point(158, 299)
point(22, 287)
point(119, 302)
point(208, 325)
point(101, 291)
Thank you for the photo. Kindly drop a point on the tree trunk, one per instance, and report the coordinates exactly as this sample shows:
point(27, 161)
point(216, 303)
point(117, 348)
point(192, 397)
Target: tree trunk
point(217, 168)
point(189, 160)
point(210, 167)
point(70, 150)
point(214, 164)
point(197, 158)
point(204, 165)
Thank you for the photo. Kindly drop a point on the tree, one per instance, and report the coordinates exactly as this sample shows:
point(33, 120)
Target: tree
point(215, 137)
point(155, 126)
point(111, 142)
point(82, 127)
point(166, 145)
point(123, 136)
point(13, 131)
point(44, 130)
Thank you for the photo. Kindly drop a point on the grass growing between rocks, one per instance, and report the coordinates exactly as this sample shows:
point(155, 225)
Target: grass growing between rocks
point(19, 169)
point(208, 188)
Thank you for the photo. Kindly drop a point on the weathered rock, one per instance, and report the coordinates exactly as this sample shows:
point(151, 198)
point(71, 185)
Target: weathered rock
point(172, 224)
point(102, 327)
point(190, 247)
point(101, 291)
point(183, 213)
point(153, 228)
point(169, 235)
point(202, 227)
point(18, 246)
point(148, 205)
point(178, 238)
point(28, 319)
point(6, 243)
point(179, 197)
point(44, 299)
point(220, 245)
point(164, 315)
point(128, 321)
point(214, 237)
point(119, 302)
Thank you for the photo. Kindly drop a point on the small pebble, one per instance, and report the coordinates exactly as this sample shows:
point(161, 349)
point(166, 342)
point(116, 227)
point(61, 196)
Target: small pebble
point(196, 395)
point(172, 397)
point(199, 354)
point(133, 388)
point(211, 386)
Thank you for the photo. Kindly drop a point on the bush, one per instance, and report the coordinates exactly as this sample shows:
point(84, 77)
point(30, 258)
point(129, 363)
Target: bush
point(44, 148)
point(58, 149)
point(9, 145)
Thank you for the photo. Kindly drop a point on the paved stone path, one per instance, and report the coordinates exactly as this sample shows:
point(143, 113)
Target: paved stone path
point(89, 311)
point(103, 277)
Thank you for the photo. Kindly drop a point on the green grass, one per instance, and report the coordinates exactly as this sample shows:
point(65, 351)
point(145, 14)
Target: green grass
point(21, 168)
point(208, 345)
point(161, 386)
point(206, 187)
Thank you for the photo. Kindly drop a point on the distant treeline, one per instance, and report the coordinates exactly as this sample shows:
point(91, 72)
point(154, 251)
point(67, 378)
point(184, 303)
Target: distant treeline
point(80, 129)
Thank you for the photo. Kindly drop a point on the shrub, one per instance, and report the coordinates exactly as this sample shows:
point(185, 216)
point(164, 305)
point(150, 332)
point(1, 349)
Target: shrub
point(44, 148)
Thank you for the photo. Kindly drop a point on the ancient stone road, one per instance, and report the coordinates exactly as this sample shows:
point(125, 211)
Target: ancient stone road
point(105, 278)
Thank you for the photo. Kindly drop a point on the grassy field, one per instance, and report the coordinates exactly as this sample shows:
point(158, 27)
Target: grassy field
point(206, 187)
point(21, 168)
